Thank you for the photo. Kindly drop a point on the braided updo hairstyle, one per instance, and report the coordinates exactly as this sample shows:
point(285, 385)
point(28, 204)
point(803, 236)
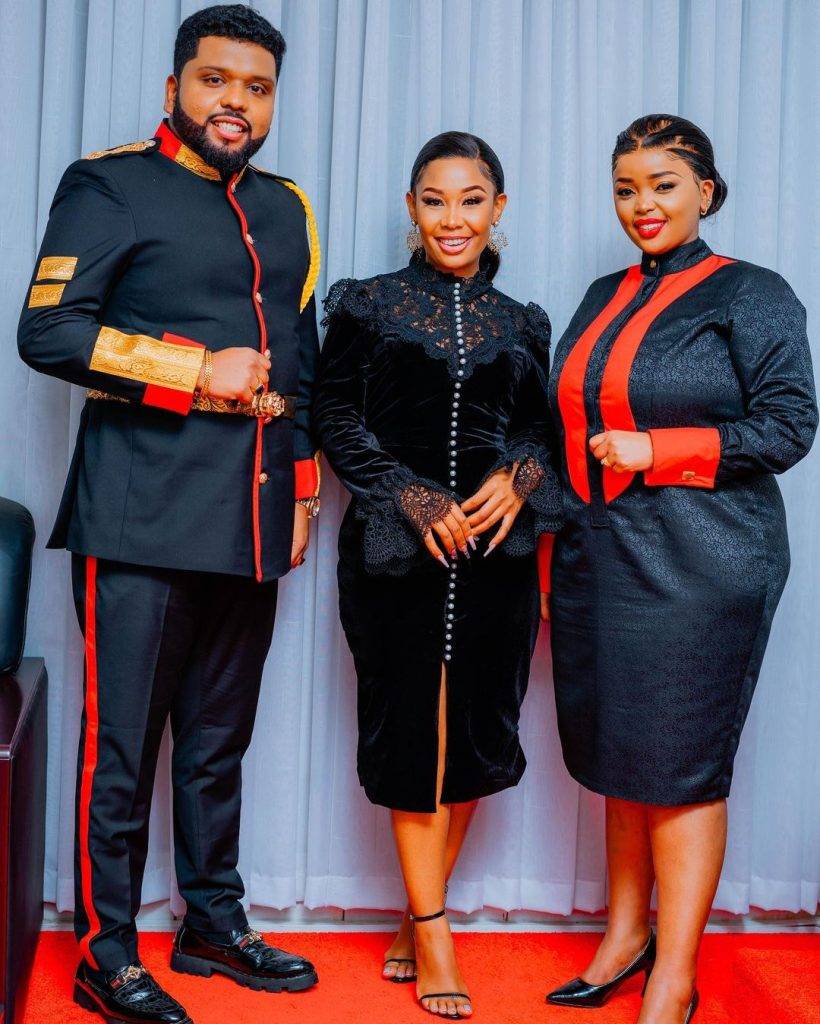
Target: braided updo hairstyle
point(463, 144)
point(681, 137)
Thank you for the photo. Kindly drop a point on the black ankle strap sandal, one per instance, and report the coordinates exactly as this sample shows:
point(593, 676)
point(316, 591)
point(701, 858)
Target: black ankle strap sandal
point(401, 960)
point(428, 917)
point(439, 995)
point(407, 959)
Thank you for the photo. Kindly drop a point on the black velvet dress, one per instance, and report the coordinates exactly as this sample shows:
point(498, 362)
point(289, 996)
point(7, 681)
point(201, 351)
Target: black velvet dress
point(428, 383)
point(665, 582)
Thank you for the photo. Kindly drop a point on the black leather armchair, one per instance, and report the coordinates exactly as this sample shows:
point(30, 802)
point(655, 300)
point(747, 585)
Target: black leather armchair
point(23, 684)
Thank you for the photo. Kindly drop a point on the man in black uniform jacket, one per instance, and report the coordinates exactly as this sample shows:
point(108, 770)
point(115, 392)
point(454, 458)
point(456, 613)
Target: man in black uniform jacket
point(175, 283)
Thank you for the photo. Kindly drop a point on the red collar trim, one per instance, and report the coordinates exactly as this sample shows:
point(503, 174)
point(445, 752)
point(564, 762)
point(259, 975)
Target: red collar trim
point(171, 145)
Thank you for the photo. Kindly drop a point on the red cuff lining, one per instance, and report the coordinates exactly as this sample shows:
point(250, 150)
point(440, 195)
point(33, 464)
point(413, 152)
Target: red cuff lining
point(684, 457)
point(306, 478)
point(169, 398)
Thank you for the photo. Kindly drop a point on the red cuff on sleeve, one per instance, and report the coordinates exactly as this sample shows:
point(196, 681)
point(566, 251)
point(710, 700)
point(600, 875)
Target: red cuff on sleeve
point(684, 457)
point(306, 478)
point(169, 398)
point(545, 543)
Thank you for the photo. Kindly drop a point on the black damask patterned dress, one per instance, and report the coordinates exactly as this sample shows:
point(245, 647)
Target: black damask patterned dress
point(429, 383)
point(664, 583)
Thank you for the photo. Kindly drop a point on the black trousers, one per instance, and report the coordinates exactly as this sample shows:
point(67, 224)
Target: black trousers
point(162, 642)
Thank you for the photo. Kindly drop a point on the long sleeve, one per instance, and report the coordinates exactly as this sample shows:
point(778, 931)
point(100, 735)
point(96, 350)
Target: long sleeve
point(397, 505)
point(770, 354)
point(364, 468)
point(306, 470)
point(88, 243)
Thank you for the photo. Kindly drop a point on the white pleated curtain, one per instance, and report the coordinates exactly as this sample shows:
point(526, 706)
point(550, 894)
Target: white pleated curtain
point(548, 83)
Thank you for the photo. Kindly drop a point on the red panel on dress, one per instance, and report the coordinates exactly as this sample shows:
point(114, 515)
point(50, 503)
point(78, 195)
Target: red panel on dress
point(616, 412)
point(571, 383)
point(545, 545)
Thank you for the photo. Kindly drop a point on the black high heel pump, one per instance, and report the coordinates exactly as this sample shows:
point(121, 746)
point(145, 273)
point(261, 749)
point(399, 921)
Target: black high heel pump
point(580, 993)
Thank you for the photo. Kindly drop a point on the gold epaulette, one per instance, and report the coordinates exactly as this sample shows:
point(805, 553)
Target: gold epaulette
point(313, 236)
point(130, 147)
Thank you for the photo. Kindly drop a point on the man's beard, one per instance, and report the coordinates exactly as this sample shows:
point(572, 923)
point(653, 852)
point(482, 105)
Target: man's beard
point(226, 161)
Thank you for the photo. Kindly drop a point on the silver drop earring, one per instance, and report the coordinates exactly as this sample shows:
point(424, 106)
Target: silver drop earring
point(414, 238)
point(497, 241)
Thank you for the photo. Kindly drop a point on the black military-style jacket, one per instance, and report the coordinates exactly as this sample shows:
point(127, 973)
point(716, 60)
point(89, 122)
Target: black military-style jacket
point(149, 258)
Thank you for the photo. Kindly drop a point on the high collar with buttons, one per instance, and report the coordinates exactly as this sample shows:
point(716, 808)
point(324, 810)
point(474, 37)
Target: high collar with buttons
point(680, 258)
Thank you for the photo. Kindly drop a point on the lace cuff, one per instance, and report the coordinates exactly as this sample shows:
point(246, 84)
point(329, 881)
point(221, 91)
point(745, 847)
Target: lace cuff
point(423, 506)
point(530, 476)
point(537, 483)
point(395, 513)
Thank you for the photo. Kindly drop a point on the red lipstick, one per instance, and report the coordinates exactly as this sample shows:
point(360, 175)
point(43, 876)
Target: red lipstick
point(649, 227)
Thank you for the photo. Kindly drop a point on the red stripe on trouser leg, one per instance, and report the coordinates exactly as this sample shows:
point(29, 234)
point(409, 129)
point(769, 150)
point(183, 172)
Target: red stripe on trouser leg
point(92, 721)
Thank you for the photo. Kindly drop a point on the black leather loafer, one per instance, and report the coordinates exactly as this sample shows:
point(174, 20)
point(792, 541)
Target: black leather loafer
point(245, 957)
point(580, 993)
point(127, 996)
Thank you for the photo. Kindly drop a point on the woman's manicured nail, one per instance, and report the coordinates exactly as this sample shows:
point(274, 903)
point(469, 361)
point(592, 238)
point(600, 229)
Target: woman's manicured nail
point(489, 550)
point(472, 542)
point(465, 551)
point(443, 561)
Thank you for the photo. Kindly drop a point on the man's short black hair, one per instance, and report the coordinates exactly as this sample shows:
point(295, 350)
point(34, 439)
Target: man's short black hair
point(231, 21)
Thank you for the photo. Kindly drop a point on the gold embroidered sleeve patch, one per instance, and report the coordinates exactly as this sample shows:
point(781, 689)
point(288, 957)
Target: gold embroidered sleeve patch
point(140, 357)
point(45, 295)
point(56, 268)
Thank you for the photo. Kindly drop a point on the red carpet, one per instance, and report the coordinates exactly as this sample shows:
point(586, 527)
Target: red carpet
point(771, 979)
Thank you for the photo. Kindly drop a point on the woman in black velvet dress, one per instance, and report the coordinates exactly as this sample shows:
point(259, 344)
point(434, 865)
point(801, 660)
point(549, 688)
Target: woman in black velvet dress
point(679, 388)
point(431, 408)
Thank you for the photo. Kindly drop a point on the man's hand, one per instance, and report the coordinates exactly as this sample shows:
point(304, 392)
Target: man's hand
point(301, 535)
point(238, 373)
point(624, 451)
point(495, 501)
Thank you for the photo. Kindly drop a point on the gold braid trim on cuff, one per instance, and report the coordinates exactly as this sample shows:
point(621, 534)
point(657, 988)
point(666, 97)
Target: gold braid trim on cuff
point(146, 359)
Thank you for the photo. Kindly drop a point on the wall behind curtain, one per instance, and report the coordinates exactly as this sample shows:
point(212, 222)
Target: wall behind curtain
point(548, 83)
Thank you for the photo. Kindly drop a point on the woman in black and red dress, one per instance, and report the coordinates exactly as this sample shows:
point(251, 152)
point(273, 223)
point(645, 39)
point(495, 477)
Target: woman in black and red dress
point(681, 386)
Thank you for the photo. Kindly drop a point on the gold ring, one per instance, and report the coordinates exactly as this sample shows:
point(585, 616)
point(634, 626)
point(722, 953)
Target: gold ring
point(605, 461)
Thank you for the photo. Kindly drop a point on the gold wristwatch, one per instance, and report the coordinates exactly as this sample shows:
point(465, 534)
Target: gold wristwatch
point(311, 504)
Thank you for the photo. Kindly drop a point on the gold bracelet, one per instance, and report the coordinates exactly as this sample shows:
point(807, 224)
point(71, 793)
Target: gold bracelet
point(208, 366)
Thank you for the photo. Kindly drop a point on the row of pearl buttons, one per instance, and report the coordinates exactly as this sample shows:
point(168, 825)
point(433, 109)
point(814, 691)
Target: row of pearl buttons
point(451, 587)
